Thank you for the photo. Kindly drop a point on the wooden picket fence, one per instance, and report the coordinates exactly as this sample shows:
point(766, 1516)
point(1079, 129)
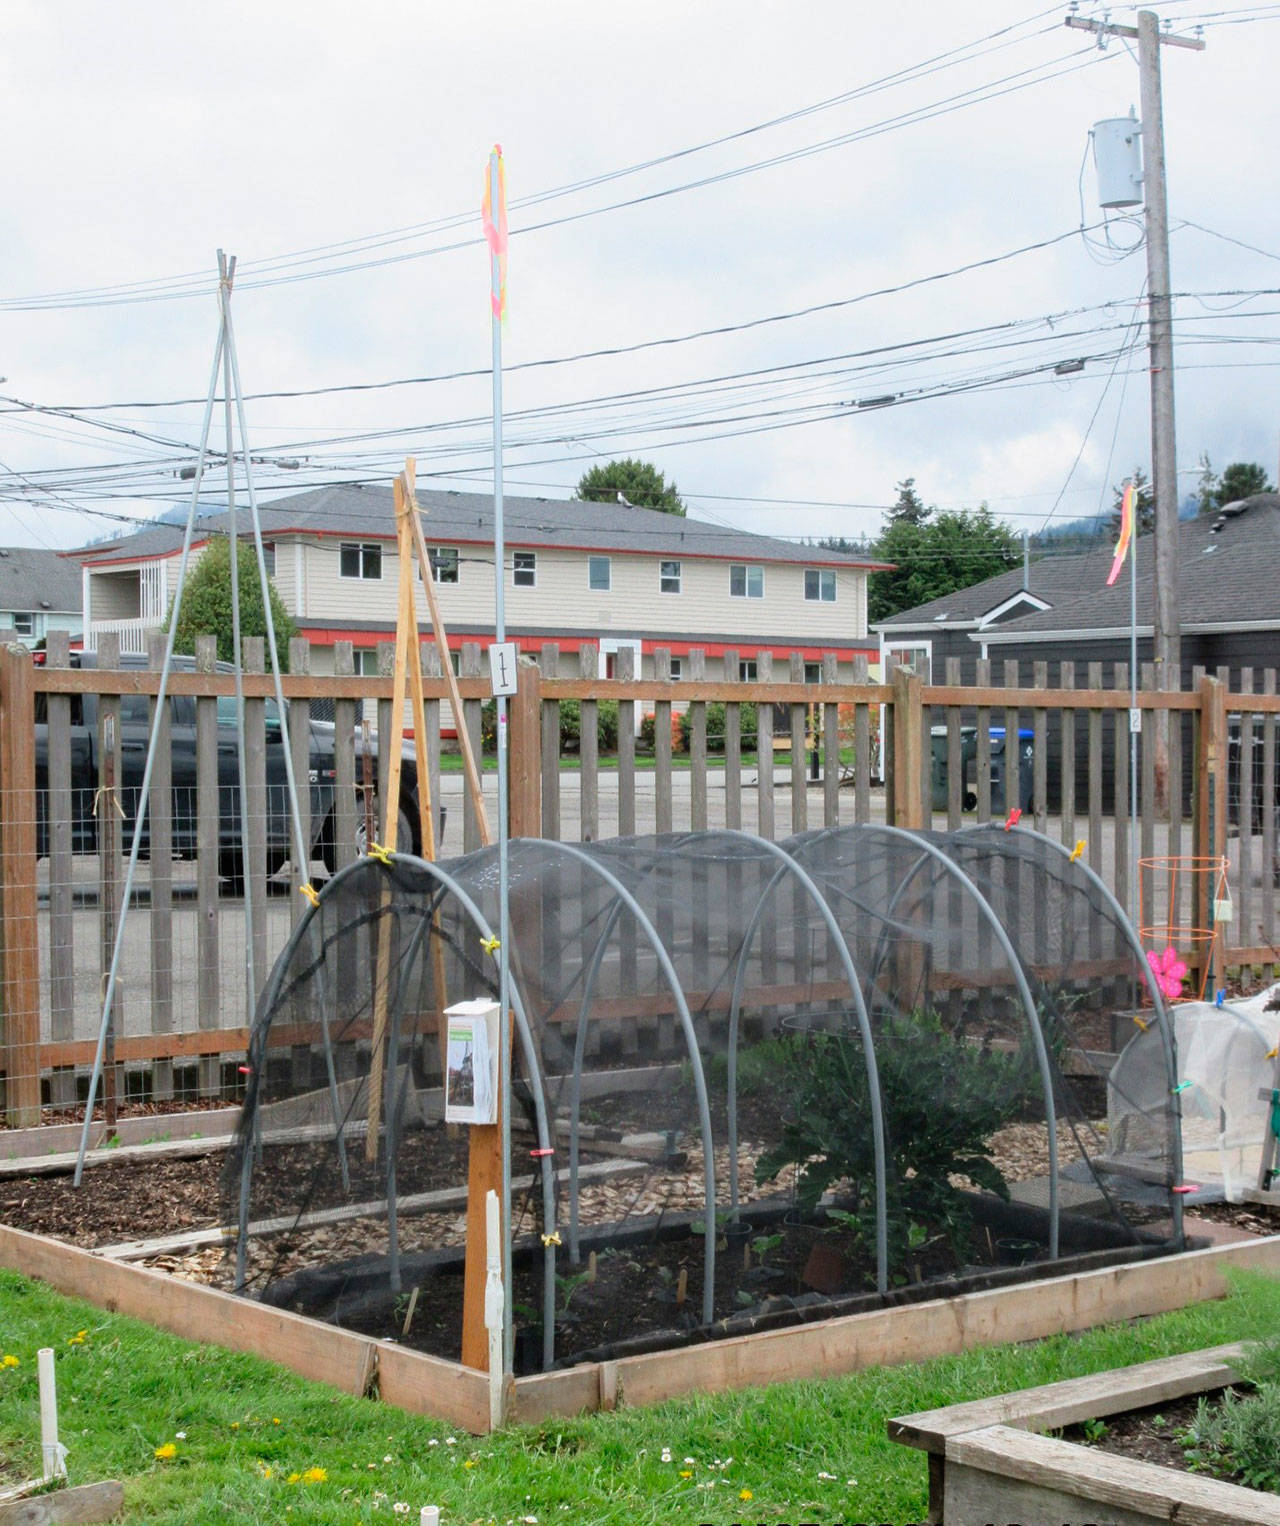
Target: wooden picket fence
point(942, 764)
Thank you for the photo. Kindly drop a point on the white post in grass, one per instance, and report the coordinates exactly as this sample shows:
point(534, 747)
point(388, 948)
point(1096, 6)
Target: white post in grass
point(52, 1450)
point(494, 1307)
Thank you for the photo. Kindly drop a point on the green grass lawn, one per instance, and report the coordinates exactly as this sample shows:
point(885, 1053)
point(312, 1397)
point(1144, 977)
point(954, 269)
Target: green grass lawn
point(202, 1435)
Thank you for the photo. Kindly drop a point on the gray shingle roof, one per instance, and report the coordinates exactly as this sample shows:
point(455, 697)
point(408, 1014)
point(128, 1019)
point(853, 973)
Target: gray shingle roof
point(1228, 575)
point(32, 579)
point(468, 518)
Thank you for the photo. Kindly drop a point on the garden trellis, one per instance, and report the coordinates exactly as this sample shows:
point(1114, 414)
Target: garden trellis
point(726, 1052)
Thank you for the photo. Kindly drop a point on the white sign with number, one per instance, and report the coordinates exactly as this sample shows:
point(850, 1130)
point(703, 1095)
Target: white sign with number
point(502, 667)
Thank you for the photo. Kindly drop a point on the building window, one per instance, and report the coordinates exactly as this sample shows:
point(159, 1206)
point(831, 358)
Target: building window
point(820, 584)
point(524, 569)
point(745, 582)
point(24, 625)
point(600, 573)
point(366, 661)
point(444, 564)
point(747, 672)
point(669, 577)
point(813, 672)
point(677, 668)
point(360, 559)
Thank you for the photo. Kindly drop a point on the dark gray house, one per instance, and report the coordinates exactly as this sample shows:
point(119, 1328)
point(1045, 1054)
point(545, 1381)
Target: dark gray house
point(1062, 610)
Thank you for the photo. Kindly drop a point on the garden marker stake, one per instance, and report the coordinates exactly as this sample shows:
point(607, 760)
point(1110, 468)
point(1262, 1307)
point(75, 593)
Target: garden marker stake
point(52, 1450)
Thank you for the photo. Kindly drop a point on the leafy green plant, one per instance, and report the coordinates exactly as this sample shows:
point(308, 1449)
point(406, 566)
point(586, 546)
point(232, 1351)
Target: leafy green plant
point(1094, 1430)
point(716, 726)
point(567, 1284)
point(763, 1246)
point(942, 1099)
point(1238, 1437)
point(570, 725)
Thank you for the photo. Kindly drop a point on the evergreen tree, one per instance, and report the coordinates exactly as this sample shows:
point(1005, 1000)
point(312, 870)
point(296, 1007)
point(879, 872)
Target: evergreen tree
point(935, 553)
point(636, 483)
point(206, 603)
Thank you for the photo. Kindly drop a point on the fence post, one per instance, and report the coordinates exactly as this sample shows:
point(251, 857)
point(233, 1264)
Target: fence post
point(908, 741)
point(21, 951)
point(1211, 793)
point(524, 756)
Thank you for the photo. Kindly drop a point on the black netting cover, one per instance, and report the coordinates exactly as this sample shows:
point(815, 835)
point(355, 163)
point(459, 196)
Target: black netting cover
point(751, 1083)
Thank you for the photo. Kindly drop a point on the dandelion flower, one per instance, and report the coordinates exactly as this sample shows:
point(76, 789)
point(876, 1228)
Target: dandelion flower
point(387, 1457)
point(293, 1478)
point(686, 1472)
point(9, 1360)
point(666, 1454)
point(275, 1419)
point(315, 1476)
point(745, 1494)
point(451, 1441)
point(235, 1425)
point(400, 1507)
point(470, 1463)
point(166, 1451)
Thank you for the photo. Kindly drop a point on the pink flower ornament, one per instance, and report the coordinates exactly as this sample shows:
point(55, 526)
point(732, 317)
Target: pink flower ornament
point(1168, 970)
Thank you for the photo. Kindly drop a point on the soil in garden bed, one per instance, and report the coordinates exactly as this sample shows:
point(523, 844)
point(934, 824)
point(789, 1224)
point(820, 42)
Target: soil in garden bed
point(1155, 1434)
point(133, 1200)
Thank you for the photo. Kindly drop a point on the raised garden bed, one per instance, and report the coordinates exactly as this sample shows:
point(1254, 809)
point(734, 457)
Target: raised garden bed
point(991, 1459)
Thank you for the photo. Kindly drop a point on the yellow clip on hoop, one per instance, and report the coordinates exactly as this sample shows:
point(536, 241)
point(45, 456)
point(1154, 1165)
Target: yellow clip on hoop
point(553, 1238)
point(1272, 1053)
point(383, 855)
point(1078, 850)
point(311, 893)
point(1144, 1026)
point(490, 945)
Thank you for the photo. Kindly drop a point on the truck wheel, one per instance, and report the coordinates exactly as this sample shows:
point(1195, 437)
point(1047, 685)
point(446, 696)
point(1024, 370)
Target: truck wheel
point(406, 834)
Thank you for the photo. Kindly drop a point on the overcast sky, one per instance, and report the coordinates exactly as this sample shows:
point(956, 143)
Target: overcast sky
point(143, 136)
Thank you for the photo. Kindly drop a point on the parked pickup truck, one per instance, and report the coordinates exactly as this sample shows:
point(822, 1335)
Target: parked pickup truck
point(134, 738)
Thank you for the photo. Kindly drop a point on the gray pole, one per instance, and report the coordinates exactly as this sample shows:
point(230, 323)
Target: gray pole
point(1166, 628)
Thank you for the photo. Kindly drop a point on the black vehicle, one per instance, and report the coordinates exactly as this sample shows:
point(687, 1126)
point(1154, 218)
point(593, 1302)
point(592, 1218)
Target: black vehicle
point(134, 739)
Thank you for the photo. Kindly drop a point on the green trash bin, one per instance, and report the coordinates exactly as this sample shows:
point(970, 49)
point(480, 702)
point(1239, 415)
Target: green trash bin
point(939, 773)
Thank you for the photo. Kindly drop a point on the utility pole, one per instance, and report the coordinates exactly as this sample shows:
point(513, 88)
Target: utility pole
point(1167, 644)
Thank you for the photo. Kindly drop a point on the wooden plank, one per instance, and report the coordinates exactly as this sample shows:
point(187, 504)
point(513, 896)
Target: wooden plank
point(426, 1385)
point(1052, 1406)
point(549, 662)
point(732, 749)
point(764, 752)
point(1245, 807)
point(58, 818)
point(1094, 849)
point(208, 963)
point(920, 1332)
point(525, 752)
point(255, 828)
point(955, 780)
point(50, 1137)
point(1120, 774)
point(430, 660)
point(1269, 812)
point(698, 743)
point(311, 686)
point(624, 666)
point(160, 821)
point(830, 746)
point(1040, 748)
point(589, 748)
point(861, 749)
point(78, 1506)
point(982, 762)
point(1147, 801)
point(799, 784)
point(344, 762)
point(1067, 682)
point(662, 744)
point(1104, 1478)
point(21, 949)
point(475, 825)
point(908, 745)
point(110, 811)
point(194, 1312)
